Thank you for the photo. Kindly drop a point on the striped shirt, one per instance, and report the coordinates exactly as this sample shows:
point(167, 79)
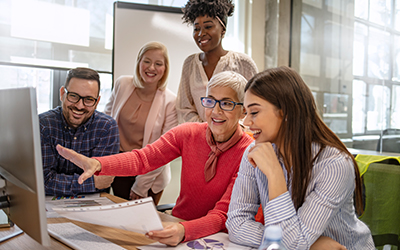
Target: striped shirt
point(327, 210)
point(97, 137)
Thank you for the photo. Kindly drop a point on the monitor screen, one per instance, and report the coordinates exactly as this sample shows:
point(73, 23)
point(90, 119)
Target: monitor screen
point(21, 162)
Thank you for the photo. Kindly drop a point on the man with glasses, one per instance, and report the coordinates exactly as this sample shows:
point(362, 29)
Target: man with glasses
point(77, 125)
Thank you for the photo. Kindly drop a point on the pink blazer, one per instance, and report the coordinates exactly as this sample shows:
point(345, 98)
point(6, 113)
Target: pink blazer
point(162, 117)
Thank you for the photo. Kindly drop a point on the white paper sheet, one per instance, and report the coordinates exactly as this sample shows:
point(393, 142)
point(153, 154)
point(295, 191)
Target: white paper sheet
point(218, 241)
point(137, 215)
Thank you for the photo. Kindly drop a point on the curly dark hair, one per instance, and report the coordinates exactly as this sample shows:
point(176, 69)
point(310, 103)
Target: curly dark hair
point(212, 8)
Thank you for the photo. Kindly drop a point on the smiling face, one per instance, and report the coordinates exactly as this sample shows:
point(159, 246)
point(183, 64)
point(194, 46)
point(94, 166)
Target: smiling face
point(263, 118)
point(77, 114)
point(207, 33)
point(223, 123)
point(152, 66)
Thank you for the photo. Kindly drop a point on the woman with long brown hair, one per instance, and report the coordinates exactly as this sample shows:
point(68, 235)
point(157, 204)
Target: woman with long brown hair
point(297, 168)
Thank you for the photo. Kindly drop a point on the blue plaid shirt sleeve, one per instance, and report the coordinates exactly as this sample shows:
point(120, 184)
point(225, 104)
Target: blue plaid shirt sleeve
point(97, 137)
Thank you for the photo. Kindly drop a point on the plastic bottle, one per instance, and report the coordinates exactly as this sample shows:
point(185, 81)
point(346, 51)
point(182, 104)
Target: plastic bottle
point(272, 239)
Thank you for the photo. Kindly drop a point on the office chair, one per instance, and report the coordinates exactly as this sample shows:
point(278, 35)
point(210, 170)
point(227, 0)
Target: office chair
point(382, 201)
point(390, 141)
point(165, 207)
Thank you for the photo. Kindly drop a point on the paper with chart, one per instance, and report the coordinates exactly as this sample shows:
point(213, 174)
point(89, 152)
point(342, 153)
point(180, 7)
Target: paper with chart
point(137, 215)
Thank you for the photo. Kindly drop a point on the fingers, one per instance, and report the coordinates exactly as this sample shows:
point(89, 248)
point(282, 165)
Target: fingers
point(65, 152)
point(171, 235)
point(134, 196)
point(83, 177)
point(252, 162)
point(70, 155)
point(102, 182)
point(171, 240)
point(90, 166)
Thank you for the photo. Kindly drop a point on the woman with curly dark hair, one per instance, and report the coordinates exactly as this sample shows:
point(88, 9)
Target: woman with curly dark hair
point(209, 20)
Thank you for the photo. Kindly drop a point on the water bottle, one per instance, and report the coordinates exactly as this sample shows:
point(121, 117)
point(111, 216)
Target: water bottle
point(272, 239)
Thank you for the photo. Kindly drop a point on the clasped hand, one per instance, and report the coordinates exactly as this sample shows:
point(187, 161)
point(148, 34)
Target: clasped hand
point(90, 166)
point(263, 156)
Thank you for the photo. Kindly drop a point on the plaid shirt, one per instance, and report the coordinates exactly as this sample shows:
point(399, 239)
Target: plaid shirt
point(99, 136)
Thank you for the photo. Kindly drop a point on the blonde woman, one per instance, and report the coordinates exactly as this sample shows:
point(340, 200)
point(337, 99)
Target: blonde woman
point(144, 110)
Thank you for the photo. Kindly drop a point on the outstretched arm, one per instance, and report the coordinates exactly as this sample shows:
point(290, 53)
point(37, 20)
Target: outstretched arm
point(90, 166)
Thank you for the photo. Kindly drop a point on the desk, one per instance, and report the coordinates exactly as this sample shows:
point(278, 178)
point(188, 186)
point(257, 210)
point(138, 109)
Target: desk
point(126, 239)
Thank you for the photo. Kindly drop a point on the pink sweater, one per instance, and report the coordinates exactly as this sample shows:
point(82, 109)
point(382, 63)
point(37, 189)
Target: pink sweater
point(203, 205)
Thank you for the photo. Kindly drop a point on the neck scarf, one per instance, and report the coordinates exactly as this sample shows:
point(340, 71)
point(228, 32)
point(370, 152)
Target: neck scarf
point(218, 148)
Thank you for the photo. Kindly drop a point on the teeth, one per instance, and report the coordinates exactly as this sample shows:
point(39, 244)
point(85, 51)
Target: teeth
point(203, 41)
point(77, 112)
point(256, 131)
point(215, 120)
point(150, 74)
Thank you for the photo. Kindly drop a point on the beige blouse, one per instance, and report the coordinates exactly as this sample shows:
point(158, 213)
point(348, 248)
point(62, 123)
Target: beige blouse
point(194, 81)
point(131, 122)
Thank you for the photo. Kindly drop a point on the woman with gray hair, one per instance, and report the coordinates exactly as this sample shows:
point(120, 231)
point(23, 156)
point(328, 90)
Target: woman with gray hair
point(210, 152)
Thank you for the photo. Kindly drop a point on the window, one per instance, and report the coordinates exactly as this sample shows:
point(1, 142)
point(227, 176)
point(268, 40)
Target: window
point(41, 39)
point(356, 87)
point(16, 77)
point(376, 64)
point(324, 62)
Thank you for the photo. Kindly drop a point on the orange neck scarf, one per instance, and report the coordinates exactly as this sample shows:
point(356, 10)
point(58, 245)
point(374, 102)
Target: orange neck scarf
point(218, 148)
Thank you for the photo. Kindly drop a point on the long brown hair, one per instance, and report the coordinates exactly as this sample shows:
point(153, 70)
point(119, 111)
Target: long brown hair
point(285, 89)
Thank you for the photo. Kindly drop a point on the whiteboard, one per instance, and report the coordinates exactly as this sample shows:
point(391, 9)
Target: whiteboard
point(136, 24)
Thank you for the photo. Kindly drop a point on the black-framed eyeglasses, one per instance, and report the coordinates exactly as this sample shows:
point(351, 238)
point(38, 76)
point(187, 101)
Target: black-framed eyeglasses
point(226, 105)
point(88, 101)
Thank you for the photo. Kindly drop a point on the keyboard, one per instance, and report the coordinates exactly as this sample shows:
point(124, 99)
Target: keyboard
point(79, 238)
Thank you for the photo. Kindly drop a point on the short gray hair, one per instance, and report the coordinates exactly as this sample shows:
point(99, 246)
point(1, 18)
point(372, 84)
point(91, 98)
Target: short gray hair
point(230, 79)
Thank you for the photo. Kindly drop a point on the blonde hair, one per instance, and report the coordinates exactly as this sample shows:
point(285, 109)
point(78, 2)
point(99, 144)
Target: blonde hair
point(230, 79)
point(138, 81)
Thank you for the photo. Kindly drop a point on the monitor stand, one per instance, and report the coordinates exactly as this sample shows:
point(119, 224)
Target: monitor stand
point(7, 233)
point(7, 228)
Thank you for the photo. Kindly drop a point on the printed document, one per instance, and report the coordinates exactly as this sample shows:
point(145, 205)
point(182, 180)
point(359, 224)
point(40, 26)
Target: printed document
point(137, 215)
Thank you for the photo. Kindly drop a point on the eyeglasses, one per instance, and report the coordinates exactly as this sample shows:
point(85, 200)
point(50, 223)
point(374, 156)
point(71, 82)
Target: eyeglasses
point(226, 105)
point(88, 101)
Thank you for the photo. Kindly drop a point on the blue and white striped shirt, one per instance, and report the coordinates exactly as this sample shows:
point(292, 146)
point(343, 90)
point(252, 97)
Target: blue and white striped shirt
point(97, 137)
point(327, 210)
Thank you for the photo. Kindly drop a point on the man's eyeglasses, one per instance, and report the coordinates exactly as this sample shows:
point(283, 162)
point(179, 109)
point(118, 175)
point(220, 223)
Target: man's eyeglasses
point(88, 101)
point(226, 105)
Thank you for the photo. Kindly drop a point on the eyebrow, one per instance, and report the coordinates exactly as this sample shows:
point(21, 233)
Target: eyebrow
point(223, 98)
point(253, 104)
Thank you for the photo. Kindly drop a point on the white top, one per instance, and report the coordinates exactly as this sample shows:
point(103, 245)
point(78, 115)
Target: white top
point(194, 82)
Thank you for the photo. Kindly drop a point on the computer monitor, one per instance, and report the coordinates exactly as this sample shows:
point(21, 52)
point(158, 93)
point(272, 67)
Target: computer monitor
point(21, 162)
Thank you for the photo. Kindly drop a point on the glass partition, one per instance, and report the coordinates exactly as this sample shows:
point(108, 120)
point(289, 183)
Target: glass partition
point(350, 56)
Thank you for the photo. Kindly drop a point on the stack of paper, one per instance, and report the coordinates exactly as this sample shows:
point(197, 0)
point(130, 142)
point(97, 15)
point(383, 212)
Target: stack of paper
point(137, 215)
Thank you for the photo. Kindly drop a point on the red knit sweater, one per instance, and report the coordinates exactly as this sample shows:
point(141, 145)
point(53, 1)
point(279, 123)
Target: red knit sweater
point(203, 205)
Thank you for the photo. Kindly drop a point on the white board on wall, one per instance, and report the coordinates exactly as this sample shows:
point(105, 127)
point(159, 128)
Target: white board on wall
point(137, 24)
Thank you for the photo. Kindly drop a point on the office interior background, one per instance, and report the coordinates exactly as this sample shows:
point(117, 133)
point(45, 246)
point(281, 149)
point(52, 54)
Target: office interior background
point(347, 51)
